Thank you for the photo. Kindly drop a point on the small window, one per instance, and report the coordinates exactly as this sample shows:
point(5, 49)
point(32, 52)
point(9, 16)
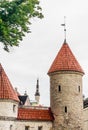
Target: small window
point(14, 108)
point(39, 127)
point(65, 109)
point(79, 88)
point(59, 88)
point(27, 127)
point(11, 127)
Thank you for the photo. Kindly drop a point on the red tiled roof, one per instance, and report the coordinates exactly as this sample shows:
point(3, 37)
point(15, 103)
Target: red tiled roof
point(6, 89)
point(65, 60)
point(35, 114)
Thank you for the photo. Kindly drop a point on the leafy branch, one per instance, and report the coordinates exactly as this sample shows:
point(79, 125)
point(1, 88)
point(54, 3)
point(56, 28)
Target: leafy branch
point(15, 20)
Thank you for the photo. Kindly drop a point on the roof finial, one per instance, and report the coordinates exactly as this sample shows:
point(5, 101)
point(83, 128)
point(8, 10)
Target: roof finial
point(64, 29)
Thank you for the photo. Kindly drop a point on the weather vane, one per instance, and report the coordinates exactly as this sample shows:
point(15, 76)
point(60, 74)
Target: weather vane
point(64, 29)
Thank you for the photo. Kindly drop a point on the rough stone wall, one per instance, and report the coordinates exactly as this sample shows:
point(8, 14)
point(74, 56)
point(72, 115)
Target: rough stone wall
point(6, 108)
point(66, 104)
point(7, 125)
point(85, 117)
point(20, 125)
point(33, 125)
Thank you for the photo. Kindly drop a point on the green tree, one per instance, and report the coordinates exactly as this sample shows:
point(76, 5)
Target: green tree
point(15, 18)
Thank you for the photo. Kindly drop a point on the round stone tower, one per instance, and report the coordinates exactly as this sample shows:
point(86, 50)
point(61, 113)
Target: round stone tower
point(8, 98)
point(66, 98)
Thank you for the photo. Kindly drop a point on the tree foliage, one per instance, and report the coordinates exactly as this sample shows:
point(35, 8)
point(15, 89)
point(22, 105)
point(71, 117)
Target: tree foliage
point(15, 18)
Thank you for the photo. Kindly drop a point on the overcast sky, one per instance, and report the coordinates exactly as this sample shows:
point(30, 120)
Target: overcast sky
point(32, 59)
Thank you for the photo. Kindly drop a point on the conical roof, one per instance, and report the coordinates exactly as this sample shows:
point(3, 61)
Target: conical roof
point(6, 89)
point(65, 61)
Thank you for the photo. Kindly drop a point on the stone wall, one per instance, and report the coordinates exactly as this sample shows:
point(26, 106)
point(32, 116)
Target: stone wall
point(85, 116)
point(66, 100)
point(20, 125)
point(7, 125)
point(8, 108)
point(33, 125)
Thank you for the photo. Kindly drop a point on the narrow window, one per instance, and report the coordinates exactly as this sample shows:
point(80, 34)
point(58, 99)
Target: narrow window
point(65, 109)
point(59, 88)
point(27, 127)
point(79, 88)
point(40, 127)
point(11, 127)
point(14, 108)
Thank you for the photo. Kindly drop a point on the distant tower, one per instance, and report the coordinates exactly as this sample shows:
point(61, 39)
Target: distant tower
point(66, 100)
point(37, 94)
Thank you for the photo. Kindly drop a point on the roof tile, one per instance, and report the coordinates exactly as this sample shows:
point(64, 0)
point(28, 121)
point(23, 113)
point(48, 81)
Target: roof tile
point(35, 114)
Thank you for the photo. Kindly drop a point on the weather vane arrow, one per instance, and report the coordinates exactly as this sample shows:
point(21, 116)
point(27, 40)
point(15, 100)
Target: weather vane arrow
point(64, 29)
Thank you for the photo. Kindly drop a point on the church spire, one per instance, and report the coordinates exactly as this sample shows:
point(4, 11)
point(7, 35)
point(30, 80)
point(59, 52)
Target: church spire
point(37, 94)
point(64, 29)
point(37, 88)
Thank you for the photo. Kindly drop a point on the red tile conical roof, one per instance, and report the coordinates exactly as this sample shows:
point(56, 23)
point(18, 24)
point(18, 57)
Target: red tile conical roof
point(65, 61)
point(6, 89)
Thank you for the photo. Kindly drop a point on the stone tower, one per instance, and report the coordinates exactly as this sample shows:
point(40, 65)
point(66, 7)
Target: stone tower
point(8, 98)
point(37, 94)
point(66, 99)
